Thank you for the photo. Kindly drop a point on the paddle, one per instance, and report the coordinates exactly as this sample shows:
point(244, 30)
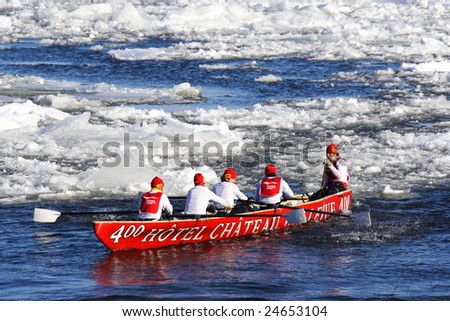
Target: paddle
point(41, 215)
point(295, 216)
point(323, 176)
point(358, 217)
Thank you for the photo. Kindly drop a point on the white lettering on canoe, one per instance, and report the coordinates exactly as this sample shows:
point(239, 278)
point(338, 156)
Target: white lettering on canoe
point(237, 231)
point(199, 235)
point(181, 230)
point(247, 226)
point(345, 203)
point(196, 233)
point(257, 225)
point(166, 234)
point(212, 235)
point(152, 234)
point(131, 231)
point(189, 234)
point(276, 221)
point(228, 229)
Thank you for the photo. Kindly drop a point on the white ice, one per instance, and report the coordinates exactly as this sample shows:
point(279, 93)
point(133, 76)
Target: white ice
point(409, 30)
point(56, 151)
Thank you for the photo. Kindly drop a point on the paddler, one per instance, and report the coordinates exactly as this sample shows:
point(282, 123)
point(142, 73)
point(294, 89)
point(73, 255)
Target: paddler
point(335, 174)
point(227, 188)
point(155, 202)
point(271, 189)
point(198, 198)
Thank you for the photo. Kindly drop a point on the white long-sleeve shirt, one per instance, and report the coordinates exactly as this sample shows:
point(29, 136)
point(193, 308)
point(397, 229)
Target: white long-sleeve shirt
point(285, 191)
point(198, 198)
point(229, 192)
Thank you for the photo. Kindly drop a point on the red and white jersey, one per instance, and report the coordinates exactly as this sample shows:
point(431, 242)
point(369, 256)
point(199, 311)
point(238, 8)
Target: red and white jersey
point(152, 205)
point(198, 198)
point(271, 190)
point(337, 173)
point(229, 192)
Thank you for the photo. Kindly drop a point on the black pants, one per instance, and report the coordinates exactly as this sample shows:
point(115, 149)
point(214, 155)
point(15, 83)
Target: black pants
point(330, 189)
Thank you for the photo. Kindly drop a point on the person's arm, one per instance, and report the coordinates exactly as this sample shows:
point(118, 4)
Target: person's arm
point(258, 187)
point(239, 194)
point(166, 205)
point(213, 197)
point(287, 191)
point(340, 171)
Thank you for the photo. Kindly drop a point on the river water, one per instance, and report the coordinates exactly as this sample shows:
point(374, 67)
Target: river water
point(77, 120)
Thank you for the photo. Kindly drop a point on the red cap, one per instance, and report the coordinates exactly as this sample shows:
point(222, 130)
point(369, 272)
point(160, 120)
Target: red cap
point(333, 149)
point(157, 183)
point(229, 173)
point(270, 169)
point(199, 179)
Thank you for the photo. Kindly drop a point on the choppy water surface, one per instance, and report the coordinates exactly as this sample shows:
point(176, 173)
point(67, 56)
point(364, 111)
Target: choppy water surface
point(394, 136)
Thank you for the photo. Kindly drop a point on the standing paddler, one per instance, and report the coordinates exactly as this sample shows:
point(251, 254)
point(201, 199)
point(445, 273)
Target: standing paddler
point(335, 174)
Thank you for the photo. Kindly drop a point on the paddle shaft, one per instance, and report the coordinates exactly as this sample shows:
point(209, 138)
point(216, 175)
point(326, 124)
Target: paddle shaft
point(204, 215)
point(187, 216)
point(117, 212)
point(327, 213)
point(317, 211)
point(99, 213)
point(323, 176)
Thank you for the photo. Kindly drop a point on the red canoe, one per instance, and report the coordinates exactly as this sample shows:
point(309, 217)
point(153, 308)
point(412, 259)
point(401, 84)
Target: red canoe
point(142, 235)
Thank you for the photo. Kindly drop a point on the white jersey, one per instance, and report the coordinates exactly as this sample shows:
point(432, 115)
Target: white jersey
point(229, 192)
point(164, 205)
point(198, 198)
point(285, 191)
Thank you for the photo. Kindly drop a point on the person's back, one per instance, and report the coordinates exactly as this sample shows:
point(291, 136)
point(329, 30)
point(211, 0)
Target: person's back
point(198, 198)
point(154, 202)
point(227, 189)
point(271, 189)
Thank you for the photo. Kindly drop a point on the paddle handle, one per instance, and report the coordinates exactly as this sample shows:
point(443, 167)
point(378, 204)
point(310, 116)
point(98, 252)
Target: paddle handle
point(327, 213)
point(100, 213)
point(323, 177)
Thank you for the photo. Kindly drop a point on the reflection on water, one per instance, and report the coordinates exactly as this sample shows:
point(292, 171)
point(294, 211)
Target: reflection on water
point(46, 237)
point(160, 266)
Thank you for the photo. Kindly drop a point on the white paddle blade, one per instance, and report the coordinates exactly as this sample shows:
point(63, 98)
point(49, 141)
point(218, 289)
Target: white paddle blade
point(42, 215)
point(361, 218)
point(296, 216)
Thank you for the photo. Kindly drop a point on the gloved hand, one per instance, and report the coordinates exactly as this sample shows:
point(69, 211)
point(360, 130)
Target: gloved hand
point(228, 209)
point(327, 163)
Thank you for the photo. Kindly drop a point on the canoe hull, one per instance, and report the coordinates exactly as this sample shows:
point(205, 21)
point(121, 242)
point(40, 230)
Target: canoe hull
point(142, 235)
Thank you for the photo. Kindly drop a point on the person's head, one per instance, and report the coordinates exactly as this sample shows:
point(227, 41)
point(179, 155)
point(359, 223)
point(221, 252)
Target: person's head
point(229, 175)
point(270, 170)
point(199, 180)
point(157, 184)
point(332, 152)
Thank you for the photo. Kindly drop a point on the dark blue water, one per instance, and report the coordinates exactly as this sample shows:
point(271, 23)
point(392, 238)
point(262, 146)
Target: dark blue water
point(233, 87)
point(402, 256)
